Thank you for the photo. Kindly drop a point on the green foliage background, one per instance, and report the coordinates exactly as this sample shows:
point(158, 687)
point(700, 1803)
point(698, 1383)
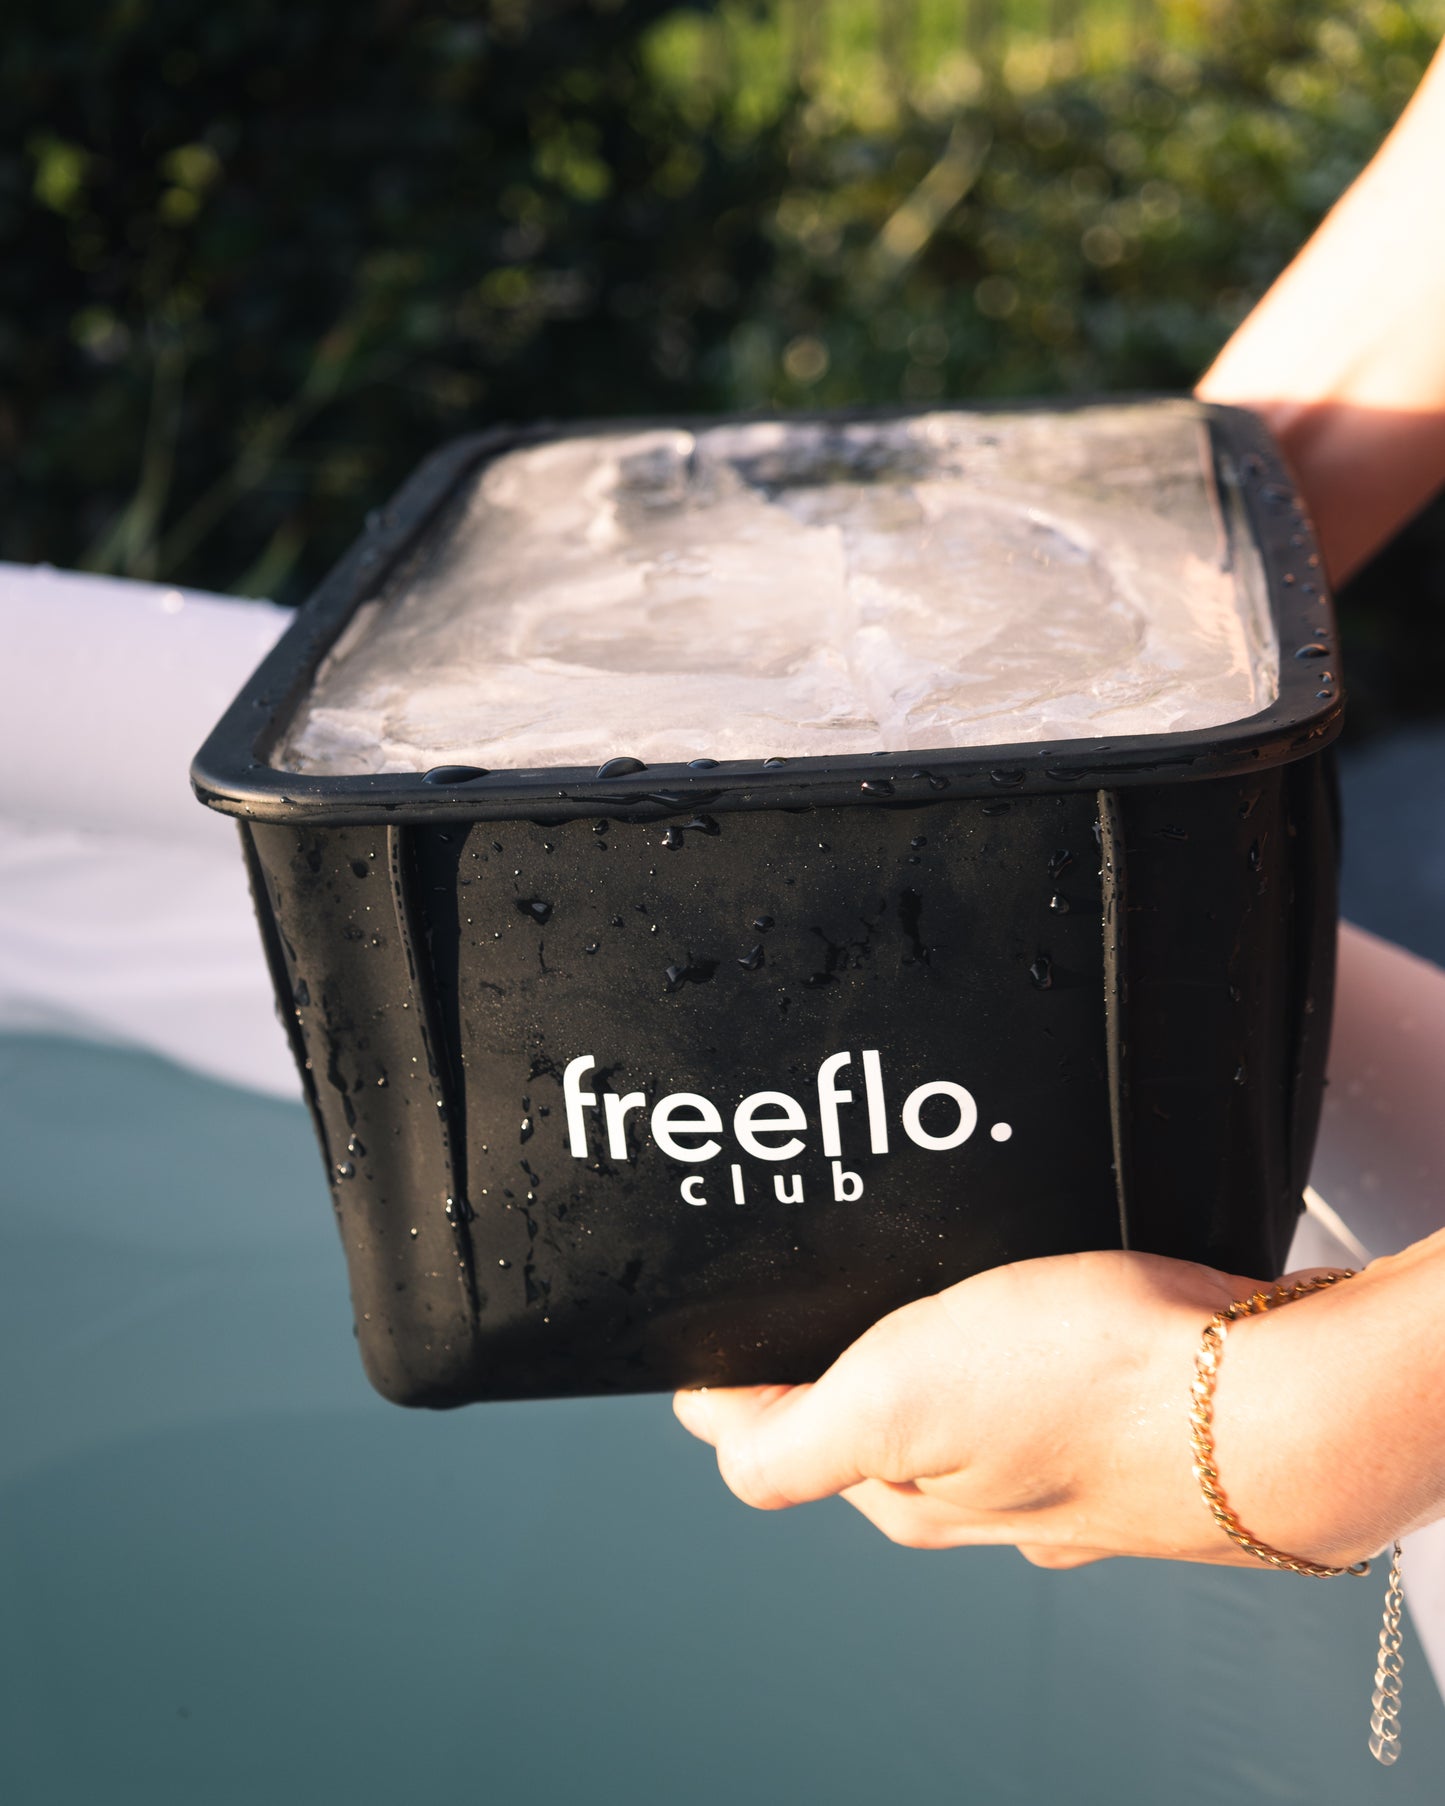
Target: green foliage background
point(257, 258)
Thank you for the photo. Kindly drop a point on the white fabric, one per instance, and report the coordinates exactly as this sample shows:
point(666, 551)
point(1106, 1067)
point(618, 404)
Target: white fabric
point(124, 914)
point(1381, 1162)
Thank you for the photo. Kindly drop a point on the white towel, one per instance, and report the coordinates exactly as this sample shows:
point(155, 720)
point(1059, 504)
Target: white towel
point(124, 914)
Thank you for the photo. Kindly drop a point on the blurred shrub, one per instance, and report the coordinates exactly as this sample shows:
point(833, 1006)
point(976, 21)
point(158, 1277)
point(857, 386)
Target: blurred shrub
point(256, 259)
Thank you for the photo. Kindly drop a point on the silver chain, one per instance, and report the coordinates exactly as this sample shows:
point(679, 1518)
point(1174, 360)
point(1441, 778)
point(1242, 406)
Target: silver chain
point(1385, 1702)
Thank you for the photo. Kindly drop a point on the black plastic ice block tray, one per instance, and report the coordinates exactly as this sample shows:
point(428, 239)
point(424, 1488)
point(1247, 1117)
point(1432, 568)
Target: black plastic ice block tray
point(628, 1078)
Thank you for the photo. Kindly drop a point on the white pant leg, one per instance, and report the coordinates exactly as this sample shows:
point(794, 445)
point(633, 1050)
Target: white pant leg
point(124, 914)
point(1380, 1163)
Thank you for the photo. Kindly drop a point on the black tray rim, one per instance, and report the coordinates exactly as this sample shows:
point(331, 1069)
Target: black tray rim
point(232, 771)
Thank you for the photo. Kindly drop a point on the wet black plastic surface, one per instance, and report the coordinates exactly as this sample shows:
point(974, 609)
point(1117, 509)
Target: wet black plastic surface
point(960, 942)
point(1120, 956)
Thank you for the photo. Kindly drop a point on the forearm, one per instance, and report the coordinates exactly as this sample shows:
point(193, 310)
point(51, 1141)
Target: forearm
point(1330, 1413)
point(1345, 356)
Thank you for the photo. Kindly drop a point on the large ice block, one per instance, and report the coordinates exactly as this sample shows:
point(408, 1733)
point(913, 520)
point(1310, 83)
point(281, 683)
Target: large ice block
point(798, 588)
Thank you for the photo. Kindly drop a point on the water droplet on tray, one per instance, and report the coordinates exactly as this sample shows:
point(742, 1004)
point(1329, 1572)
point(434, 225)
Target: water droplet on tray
point(454, 774)
point(696, 972)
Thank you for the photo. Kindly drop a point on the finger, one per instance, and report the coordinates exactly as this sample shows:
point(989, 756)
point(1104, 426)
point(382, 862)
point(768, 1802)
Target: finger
point(780, 1446)
point(698, 1411)
point(770, 1451)
point(1043, 1556)
point(916, 1520)
point(919, 1520)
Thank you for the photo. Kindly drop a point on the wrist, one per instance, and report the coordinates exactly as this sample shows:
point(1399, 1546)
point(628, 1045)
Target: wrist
point(1327, 1421)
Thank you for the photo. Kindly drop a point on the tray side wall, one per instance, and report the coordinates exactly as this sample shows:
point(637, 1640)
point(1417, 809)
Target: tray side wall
point(440, 980)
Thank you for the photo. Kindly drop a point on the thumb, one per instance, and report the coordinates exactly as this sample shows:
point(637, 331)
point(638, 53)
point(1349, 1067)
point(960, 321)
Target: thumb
point(706, 1411)
point(785, 1445)
point(776, 1445)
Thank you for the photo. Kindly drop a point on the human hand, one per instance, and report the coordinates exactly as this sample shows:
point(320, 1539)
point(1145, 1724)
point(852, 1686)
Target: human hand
point(1046, 1405)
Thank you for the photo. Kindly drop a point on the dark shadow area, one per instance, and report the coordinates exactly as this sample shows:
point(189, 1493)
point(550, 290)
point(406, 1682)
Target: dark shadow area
point(257, 261)
point(1392, 624)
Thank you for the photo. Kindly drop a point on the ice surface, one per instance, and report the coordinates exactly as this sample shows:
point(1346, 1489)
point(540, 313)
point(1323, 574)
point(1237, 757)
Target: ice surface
point(793, 587)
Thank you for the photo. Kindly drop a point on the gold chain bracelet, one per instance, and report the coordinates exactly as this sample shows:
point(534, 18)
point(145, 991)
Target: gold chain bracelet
point(1385, 1704)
